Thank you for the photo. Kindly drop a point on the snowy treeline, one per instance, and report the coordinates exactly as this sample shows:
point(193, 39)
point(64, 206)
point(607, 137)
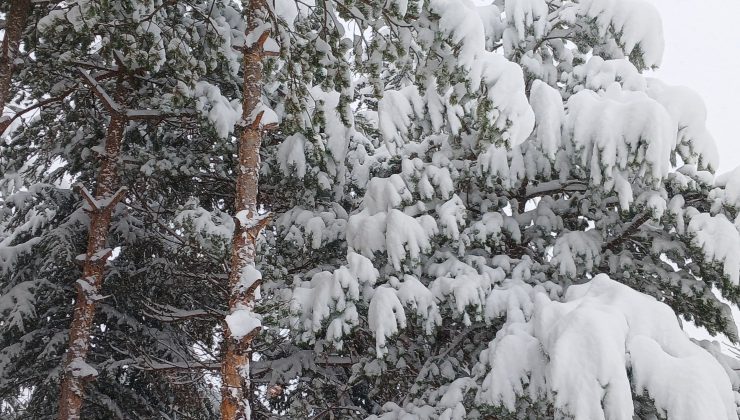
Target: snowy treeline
point(465, 210)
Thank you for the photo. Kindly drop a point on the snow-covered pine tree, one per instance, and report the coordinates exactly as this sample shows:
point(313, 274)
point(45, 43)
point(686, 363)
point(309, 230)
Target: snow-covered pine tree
point(501, 217)
point(159, 315)
point(281, 36)
point(161, 295)
point(483, 215)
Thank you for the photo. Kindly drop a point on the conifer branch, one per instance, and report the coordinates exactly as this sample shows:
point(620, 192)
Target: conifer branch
point(130, 114)
point(257, 120)
point(101, 205)
point(111, 105)
point(301, 357)
point(627, 232)
point(87, 196)
point(555, 187)
point(262, 39)
point(5, 122)
point(118, 58)
point(166, 313)
point(254, 230)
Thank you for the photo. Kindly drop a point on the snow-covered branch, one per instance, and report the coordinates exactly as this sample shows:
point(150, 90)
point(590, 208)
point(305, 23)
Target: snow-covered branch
point(129, 114)
point(628, 231)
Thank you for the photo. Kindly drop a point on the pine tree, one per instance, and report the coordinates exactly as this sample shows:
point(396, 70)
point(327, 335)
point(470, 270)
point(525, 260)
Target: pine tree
point(506, 235)
point(148, 327)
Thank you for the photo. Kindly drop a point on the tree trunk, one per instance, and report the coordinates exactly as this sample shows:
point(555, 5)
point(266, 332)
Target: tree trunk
point(15, 25)
point(76, 372)
point(243, 282)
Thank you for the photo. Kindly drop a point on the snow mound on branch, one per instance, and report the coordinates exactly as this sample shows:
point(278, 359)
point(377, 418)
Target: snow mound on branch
point(292, 156)
point(416, 296)
point(384, 194)
point(382, 227)
point(331, 296)
point(242, 322)
point(526, 14)
point(215, 107)
point(312, 230)
point(590, 352)
point(79, 368)
point(399, 109)
point(637, 23)
point(18, 304)
point(617, 130)
point(337, 126)
point(503, 80)
point(395, 111)
point(598, 74)
point(549, 116)
point(384, 317)
point(571, 248)
point(728, 192)
point(289, 10)
point(694, 143)
point(463, 285)
point(719, 240)
point(687, 112)
point(205, 223)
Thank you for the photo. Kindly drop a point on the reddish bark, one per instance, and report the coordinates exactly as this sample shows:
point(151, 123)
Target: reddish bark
point(15, 25)
point(235, 390)
point(88, 288)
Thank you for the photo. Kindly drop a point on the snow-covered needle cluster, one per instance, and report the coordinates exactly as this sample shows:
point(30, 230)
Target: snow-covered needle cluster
point(472, 210)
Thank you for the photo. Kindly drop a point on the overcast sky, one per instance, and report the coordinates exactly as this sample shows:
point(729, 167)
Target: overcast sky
point(702, 47)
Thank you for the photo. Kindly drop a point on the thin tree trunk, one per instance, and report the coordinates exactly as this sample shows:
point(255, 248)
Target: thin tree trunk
point(243, 282)
point(76, 372)
point(16, 24)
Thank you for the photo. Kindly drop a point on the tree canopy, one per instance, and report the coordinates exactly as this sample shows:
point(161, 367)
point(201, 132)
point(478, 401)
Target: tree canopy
point(467, 210)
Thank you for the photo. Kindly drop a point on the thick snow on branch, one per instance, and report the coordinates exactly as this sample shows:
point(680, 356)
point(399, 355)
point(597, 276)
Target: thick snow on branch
point(504, 80)
point(571, 248)
point(18, 304)
point(332, 296)
point(385, 316)
point(728, 191)
point(214, 106)
point(313, 230)
point(395, 112)
point(292, 157)
point(695, 144)
point(242, 322)
point(590, 352)
point(382, 227)
point(637, 22)
point(598, 74)
point(719, 240)
point(205, 223)
point(80, 368)
point(617, 130)
point(525, 14)
point(549, 114)
point(415, 295)
point(620, 81)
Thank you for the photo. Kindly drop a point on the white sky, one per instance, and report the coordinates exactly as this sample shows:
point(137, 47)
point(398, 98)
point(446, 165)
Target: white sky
point(702, 40)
